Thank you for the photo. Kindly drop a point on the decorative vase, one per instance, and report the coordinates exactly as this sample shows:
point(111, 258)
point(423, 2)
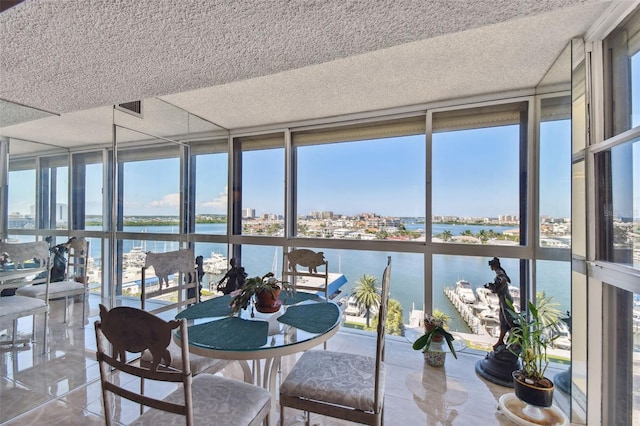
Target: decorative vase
point(435, 358)
point(267, 302)
point(530, 393)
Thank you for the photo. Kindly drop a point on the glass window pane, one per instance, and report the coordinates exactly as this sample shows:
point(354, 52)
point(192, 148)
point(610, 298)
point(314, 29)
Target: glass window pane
point(476, 318)
point(476, 186)
point(578, 209)
point(215, 263)
point(623, 60)
point(263, 192)
point(369, 189)
point(578, 98)
point(93, 196)
point(553, 279)
point(22, 199)
point(94, 265)
point(152, 195)
point(579, 339)
point(62, 197)
point(555, 183)
point(625, 194)
point(211, 193)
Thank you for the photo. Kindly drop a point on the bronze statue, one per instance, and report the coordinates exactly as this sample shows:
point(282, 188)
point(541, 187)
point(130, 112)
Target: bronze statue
point(500, 286)
point(235, 278)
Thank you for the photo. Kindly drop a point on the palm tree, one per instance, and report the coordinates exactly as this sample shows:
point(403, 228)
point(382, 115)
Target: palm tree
point(366, 294)
point(446, 235)
point(395, 323)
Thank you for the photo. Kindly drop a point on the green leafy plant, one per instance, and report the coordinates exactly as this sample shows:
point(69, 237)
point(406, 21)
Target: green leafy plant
point(435, 326)
point(438, 318)
point(268, 282)
point(532, 334)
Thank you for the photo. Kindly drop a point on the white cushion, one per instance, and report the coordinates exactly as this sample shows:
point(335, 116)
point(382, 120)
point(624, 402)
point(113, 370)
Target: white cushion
point(216, 401)
point(57, 289)
point(17, 306)
point(336, 378)
point(198, 363)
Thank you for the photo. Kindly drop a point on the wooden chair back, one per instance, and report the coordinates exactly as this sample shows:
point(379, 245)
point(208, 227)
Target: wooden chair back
point(310, 279)
point(133, 330)
point(78, 260)
point(17, 306)
point(186, 288)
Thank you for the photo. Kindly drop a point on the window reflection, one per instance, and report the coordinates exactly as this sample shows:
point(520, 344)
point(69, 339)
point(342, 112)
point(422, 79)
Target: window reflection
point(22, 199)
point(211, 193)
point(555, 173)
point(152, 195)
point(620, 199)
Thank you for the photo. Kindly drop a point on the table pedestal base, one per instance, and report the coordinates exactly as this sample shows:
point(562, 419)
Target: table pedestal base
point(529, 415)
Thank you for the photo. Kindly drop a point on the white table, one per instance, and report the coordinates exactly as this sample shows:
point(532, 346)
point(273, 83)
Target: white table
point(281, 339)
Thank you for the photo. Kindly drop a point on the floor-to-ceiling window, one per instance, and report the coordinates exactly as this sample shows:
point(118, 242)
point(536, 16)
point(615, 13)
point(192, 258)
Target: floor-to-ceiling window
point(617, 214)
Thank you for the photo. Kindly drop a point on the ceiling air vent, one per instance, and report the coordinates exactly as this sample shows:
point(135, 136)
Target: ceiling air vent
point(133, 108)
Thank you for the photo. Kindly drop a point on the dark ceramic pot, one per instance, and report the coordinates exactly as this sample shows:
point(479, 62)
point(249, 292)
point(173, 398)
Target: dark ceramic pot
point(532, 394)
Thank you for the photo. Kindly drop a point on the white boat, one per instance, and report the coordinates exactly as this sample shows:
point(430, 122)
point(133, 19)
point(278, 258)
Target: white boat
point(216, 264)
point(464, 290)
point(488, 298)
point(515, 295)
point(134, 259)
point(352, 309)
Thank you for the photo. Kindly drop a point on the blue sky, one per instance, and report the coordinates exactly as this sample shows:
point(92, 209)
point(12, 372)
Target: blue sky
point(474, 174)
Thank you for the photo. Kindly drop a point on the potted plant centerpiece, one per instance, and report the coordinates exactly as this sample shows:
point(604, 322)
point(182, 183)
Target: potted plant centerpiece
point(436, 319)
point(529, 339)
point(435, 331)
point(266, 290)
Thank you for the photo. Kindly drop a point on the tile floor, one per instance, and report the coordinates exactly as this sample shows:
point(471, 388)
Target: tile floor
point(62, 387)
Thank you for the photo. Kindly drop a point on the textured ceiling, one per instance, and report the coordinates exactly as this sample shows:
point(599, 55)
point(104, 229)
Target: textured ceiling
point(247, 63)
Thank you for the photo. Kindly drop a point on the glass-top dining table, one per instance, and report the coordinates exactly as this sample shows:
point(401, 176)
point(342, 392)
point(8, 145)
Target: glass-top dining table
point(304, 321)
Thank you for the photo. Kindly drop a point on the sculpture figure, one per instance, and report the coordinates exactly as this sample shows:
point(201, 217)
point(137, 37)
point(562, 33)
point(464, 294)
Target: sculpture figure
point(500, 286)
point(235, 278)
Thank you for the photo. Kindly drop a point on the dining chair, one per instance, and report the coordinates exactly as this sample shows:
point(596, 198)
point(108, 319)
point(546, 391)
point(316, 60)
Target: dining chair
point(204, 399)
point(310, 280)
point(182, 265)
point(15, 306)
point(74, 283)
point(341, 385)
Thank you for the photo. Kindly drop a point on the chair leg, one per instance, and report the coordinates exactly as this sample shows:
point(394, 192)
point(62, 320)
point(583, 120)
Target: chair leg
point(45, 331)
point(141, 393)
point(15, 330)
point(66, 308)
point(85, 300)
point(281, 415)
point(246, 370)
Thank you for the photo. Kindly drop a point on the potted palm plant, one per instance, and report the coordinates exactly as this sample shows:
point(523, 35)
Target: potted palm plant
point(529, 339)
point(266, 290)
point(435, 331)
